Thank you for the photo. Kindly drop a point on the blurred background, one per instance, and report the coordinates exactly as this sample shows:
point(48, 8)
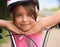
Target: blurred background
point(4, 14)
point(47, 8)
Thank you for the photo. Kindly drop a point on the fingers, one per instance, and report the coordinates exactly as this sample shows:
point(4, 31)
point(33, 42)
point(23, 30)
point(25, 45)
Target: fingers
point(30, 32)
point(12, 30)
point(11, 27)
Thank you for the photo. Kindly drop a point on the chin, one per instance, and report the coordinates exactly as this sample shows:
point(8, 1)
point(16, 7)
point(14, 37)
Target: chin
point(26, 29)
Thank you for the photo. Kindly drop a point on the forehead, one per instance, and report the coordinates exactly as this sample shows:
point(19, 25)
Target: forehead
point(24, 8)
point(20, 9)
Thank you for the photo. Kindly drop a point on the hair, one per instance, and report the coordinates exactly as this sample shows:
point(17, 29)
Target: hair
point(28, 5)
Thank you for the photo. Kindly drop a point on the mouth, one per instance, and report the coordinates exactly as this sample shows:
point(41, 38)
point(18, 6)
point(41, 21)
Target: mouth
point(25, 27)
point(25, 24)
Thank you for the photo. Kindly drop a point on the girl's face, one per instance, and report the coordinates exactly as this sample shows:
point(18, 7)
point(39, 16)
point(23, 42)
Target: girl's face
point(23, 19)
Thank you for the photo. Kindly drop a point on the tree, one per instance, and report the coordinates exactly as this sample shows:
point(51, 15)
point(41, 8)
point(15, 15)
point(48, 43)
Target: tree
point(3, 9)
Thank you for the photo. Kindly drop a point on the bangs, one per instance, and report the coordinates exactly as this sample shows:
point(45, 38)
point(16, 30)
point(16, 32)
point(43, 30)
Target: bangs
point(31, 10)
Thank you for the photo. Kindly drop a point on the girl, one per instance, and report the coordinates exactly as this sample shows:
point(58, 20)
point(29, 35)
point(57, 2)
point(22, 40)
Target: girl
point(24, 14)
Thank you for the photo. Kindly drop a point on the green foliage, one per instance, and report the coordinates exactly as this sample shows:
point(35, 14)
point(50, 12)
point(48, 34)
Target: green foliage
point(6, 39)
point(42, 15)
point(3, 3)
point(4, 12)
point(51, 9)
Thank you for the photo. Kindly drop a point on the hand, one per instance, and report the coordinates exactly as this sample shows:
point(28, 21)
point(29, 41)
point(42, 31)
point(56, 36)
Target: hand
point(12, 27)
point(33, 31)
point(36, 29)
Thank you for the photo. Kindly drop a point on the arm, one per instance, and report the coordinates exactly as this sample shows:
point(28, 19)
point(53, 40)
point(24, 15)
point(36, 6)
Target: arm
point(45, 22)
point(51, 20)
point(9, 25)
point(3, 23)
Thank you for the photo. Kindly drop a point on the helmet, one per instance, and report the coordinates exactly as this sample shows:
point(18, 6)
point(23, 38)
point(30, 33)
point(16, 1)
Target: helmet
point(11, 3)
point(14, 1)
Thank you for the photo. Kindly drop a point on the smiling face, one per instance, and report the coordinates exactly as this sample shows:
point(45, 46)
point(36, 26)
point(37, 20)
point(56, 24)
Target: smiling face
point(23, 18)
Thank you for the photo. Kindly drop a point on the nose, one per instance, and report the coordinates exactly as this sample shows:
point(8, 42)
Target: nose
point(24, 19)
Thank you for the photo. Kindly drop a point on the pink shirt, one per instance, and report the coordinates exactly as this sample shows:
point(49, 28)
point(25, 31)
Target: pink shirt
point(24, 41)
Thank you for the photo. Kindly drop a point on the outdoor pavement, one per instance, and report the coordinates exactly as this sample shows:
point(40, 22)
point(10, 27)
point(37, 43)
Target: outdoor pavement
point(54, 38)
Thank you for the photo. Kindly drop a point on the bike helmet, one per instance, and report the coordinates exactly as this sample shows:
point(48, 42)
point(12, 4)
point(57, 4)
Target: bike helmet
point(13, 3)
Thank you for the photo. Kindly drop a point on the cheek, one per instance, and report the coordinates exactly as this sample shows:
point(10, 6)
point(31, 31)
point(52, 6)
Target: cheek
point(33, 22)
point(17, 20)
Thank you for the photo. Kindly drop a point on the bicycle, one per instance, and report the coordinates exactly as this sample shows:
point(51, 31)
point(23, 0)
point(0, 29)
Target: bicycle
point(22, 35)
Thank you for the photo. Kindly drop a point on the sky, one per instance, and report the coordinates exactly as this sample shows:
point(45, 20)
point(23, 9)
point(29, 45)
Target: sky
point(48, 4)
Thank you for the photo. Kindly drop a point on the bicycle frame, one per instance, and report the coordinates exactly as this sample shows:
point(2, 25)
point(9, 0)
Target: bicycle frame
point(44, 43)
point(22, 35)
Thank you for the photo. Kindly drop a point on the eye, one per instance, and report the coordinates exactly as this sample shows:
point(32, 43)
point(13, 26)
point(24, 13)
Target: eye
point(19, 15)
point(30, 15)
